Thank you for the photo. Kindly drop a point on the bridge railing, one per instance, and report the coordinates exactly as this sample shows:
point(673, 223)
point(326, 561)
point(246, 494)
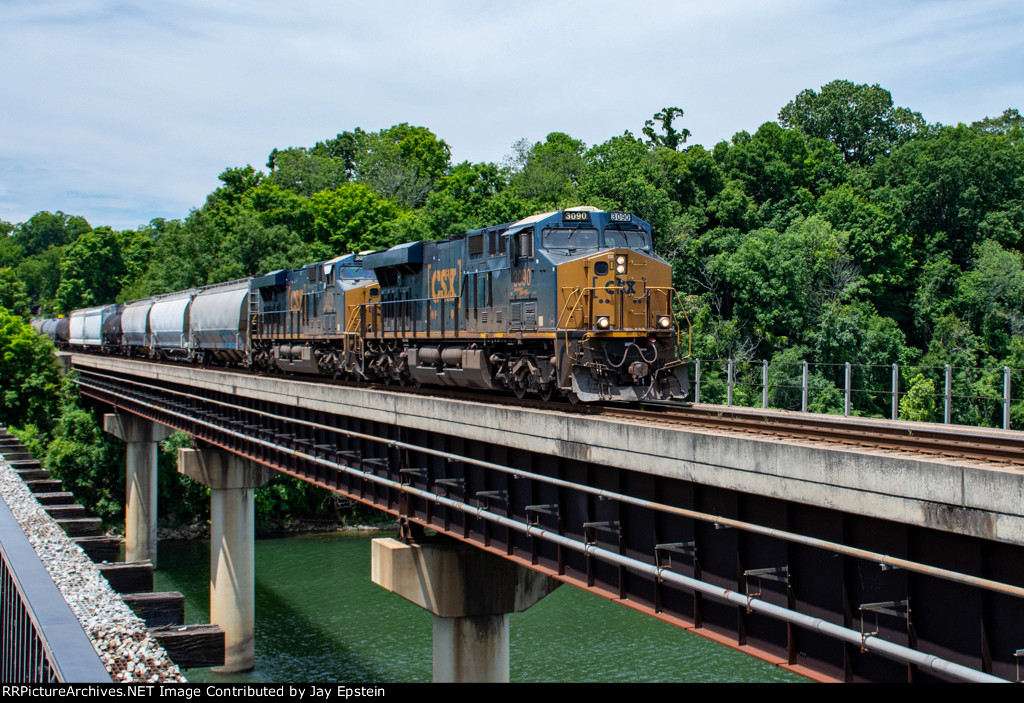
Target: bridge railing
point(41, 640)
point(979, 396)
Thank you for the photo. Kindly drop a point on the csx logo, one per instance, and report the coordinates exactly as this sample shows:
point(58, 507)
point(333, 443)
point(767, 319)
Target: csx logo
point(295, 300)
point(443, 283)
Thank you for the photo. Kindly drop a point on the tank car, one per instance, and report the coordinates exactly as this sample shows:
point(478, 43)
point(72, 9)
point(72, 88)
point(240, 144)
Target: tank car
point(573, 302)
point(96, 328)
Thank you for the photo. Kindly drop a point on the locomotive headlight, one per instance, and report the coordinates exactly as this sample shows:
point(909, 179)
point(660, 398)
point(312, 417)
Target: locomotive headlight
point(664, 322)
point(621, 268)
point(620, 264)
point(603, 322)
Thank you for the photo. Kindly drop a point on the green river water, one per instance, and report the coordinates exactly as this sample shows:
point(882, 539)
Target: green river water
point(319, 618)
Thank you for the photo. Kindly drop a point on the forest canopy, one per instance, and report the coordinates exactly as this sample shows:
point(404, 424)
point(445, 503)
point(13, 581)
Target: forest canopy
point(849, 230)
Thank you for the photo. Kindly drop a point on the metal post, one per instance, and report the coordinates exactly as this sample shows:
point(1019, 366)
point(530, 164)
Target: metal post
point(696, 373)
point(803, 393)
point(764, 384)
point(895, 391)
point(1006, 397)
point(849, 377)
point(729, 369)
point(947, 415)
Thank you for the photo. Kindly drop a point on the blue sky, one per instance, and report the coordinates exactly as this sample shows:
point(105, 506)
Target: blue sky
point(126, 111)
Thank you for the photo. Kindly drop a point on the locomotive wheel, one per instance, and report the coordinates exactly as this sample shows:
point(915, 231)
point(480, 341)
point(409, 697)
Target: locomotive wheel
point(547, 391)
point(519, 388)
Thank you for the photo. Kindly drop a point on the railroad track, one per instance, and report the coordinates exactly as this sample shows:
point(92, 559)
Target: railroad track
point(959, 442)
point(955, 442)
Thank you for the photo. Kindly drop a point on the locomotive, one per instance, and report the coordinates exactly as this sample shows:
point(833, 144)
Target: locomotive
point(573, 303)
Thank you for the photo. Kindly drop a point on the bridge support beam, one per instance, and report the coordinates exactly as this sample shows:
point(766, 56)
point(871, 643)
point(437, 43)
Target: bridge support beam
point(232, 480)
point(142, 437)
point(470, 593)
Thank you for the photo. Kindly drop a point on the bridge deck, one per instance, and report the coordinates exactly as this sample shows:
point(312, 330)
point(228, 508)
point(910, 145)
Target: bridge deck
point(765, 542)
point(965, 497)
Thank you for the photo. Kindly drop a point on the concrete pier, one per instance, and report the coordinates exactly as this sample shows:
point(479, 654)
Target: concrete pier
point(232, 481)
point(140, 516)
point(470, 593)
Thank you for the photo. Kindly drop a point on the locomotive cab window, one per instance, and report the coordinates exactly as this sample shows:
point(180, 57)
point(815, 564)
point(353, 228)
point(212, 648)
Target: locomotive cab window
point(475, 243)
point(569, 239)
point(627, 238)
point(526, 244)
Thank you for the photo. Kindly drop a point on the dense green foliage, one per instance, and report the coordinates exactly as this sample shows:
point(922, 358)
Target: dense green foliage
point(850, 230)
point(28, 374)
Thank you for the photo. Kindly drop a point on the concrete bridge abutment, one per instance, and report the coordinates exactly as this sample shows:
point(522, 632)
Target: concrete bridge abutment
point(232, 480)
point(142, 438)
point(470, 593)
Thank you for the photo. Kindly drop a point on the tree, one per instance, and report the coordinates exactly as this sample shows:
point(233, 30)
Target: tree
point(859, 119)
point(671, 139)
point(952, 188)
point(41, 276)
point(623, 174)
point(459, 201)
point(307, 171)
point(88, 461)
point(98, 265)
point(351, 218)
point(12, 293)
point(991, 296)
point(402, 163)
point(547, 174)
point(29, 377)
point(774, 165)
point(237, 183)
point(44, 230)
point(1010, 125)
point(11, 252)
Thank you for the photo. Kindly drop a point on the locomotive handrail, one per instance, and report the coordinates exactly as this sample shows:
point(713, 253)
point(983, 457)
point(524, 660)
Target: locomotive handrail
point(579, 293)
point(396, 333)
point(689, 325)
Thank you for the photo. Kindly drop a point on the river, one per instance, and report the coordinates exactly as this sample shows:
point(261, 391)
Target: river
point(319, 618)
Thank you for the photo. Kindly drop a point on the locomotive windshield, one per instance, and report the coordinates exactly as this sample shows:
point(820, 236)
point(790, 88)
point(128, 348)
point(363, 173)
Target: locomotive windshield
point(570, 239)
point(628, 238)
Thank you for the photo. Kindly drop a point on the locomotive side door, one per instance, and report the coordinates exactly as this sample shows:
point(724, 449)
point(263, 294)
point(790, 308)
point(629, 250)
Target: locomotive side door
point(329, 309)
point(522, 302)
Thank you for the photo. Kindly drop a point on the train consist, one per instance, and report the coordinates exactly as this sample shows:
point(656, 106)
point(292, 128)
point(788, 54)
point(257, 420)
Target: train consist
point(573, 303)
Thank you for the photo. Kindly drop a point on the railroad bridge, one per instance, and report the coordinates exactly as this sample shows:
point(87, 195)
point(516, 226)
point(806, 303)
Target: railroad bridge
point(827, 546)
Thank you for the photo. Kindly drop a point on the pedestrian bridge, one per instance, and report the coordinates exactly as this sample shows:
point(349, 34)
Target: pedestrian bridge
point(842, 561)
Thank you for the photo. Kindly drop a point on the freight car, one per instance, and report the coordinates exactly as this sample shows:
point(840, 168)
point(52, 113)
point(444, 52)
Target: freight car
point(573, 303)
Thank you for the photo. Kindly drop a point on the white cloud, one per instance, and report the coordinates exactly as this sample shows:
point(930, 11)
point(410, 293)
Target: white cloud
point(125, 111)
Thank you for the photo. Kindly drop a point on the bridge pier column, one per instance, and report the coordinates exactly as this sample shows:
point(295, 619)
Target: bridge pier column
point(232, 480)
point(470, 593)
point(141, 437)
